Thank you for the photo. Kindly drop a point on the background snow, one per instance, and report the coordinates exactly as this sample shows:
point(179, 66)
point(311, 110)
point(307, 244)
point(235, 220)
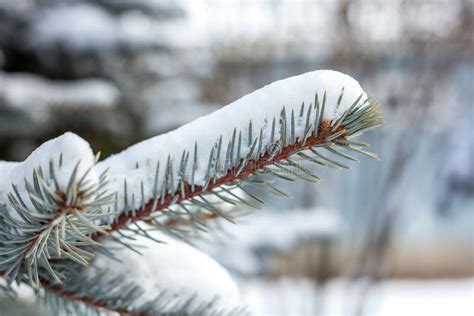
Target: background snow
point(78, 28)
point(300, 297)
point(402, 297)
point(28, 91)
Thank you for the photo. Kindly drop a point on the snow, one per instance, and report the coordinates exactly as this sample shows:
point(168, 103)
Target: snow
point(16, 6)
point(396, 19)
point(340, 296)
point(261, 107)
point(445, 297)
point(286, 22)
point(300, 297)
point(173, 266)
point(85, 27)
point(214, 23)
point(242, 245)
point(36, 94)
point(285, 25)
point(73, 149)
point(77, 27)
point(7, 166)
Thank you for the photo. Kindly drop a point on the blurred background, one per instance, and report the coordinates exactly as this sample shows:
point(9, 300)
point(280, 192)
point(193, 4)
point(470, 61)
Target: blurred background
point(394, 237)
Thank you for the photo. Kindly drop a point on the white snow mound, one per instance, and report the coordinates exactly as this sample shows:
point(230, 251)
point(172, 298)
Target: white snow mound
point(173, 266)
point(73, 149)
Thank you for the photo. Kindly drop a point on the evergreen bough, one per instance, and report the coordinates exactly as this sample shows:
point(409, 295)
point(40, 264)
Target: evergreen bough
point(50, 237)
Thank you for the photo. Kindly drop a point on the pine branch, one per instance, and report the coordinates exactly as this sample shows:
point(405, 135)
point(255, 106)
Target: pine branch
point(54, 230)
point(63, 224)
point(284, 158)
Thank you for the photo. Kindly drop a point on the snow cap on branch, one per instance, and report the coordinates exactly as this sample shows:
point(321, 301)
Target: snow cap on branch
point(247, 116)
point(64, 152)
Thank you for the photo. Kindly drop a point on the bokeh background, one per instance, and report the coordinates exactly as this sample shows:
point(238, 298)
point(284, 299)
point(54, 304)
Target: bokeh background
point(394, 237)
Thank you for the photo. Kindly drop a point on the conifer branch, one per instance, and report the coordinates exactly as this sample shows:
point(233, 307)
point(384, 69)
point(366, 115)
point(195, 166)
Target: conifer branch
point(55, 230)
point(284, 158)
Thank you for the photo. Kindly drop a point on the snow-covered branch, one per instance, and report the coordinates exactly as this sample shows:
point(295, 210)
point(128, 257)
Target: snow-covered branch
point(59, 203)
point(275, 131)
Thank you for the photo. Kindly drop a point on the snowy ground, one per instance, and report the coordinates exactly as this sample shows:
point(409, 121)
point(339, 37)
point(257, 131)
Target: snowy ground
point(292, 297)
point(391, 298)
